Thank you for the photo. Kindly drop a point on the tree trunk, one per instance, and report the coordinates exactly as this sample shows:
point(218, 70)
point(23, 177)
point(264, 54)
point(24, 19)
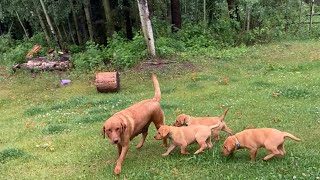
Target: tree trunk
point(65, 34)
point(86, 5)
point(233, 8)
point(83, 27)
point(108, 14)
point(24, 29)
point(50, 24)
point(71, 31)
point(59, 34)
point(42, 24)
point(248, 17)
point(146, 26)
point(204, 14)
point(129, 31)
point(76, 24)
point(175, 15)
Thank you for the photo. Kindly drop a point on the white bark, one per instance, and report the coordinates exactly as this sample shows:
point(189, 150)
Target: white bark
point(146, 26)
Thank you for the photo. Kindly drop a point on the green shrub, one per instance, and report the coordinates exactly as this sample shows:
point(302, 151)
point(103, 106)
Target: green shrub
point(167, 46)
point(6, 42)
point(124, 54)
point(90, 58)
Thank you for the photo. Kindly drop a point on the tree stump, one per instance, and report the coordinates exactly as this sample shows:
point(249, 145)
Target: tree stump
point(107, 82)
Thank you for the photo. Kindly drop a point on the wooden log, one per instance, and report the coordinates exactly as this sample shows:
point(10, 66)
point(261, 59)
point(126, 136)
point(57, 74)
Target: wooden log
point(107, 82)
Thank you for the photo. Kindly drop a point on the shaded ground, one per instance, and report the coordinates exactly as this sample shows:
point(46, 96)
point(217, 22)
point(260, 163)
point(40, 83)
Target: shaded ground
point(165, 65)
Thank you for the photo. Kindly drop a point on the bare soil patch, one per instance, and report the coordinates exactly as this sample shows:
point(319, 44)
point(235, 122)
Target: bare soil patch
point(165, 65)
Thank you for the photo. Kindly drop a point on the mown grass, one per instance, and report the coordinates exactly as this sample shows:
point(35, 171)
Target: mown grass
point(52, 132)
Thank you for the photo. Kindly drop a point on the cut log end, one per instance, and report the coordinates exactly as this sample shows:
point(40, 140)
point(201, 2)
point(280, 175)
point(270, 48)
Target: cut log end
point(107, 82)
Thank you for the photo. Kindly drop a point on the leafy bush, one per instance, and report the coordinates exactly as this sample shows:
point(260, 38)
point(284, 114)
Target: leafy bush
point(167, 46)
point(124, 54)
point(16, 54)
point(6, 42)
point(90, 58)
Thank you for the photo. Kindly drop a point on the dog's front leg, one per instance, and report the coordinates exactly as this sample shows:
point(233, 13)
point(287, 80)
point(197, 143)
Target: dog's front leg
point(119, 149)
point(124, 150)
point(172, 146)
point(253, 154)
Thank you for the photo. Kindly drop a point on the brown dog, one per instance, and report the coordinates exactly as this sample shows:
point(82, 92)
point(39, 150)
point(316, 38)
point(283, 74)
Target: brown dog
point(123, 126)
point(186, 120)
point(183, 136)
point(253, 139)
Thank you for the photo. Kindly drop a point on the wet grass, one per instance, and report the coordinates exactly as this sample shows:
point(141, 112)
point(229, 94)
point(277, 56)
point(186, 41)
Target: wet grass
point(53, 132)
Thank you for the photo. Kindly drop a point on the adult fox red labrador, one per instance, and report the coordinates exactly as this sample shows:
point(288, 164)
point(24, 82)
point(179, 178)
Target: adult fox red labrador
point(123, 126)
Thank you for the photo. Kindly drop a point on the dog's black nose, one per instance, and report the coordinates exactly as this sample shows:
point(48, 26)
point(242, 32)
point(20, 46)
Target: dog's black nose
point(115, 141)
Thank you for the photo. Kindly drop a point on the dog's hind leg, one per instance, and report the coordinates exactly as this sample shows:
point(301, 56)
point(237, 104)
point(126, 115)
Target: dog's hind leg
point(203, 145)
point(273, 152)
point(281, 149)
point(158, 121)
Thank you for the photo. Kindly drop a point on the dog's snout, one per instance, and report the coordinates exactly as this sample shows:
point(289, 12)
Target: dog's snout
point(115, 141)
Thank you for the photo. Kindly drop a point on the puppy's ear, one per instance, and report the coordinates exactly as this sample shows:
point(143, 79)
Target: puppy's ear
point(164, 131)
point(181, 119)
point(103, 132)
point(123, 126)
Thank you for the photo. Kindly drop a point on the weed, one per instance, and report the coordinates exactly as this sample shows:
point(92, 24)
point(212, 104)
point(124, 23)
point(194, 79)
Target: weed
point(11, 153)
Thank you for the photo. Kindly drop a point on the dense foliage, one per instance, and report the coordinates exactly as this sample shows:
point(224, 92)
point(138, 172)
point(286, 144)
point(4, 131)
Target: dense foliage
point(207, 27)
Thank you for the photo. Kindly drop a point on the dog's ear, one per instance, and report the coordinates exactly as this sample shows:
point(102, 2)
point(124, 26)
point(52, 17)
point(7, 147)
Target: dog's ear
point(164, 131)
point(181, 119)
point(123, 126)
point(103, 132)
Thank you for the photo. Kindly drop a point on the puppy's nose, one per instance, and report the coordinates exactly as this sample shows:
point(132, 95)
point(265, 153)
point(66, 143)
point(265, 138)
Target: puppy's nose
point(116, 141)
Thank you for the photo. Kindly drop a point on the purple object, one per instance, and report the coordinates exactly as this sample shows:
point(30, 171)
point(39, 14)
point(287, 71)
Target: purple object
point(65, 81)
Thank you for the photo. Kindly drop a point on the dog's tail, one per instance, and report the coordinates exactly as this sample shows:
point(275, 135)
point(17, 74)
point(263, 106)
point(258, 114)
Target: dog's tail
point(285, 134)
point(224, 114)
point(157, 92)
point(215, 126)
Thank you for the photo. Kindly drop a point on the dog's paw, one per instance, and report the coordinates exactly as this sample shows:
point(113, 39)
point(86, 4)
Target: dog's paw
point(117, 170)
point(165, 154)
point(164, 145)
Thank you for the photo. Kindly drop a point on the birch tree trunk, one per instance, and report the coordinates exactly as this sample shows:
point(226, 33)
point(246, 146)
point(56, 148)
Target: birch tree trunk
point(88, 18)
point(50, 24)
point(146, 26)
point(24, 29)
point(76, 24)
point(42, 24)
point(71, 31)
point(108, 14)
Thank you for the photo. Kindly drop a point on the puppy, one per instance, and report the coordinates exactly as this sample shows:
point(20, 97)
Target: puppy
point(253, 139)
point(183, 136)
point(123, 126)
point(186, 120)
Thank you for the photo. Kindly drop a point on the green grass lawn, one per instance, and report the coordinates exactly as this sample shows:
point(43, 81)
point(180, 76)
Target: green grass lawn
point(52, 132)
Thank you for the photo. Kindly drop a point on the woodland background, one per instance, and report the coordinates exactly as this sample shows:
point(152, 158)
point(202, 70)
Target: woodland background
point(108, 32)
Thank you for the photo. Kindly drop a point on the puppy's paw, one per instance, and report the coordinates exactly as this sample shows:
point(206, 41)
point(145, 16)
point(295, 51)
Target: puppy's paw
point(117, 170)
point(165, 154)
point(164, 145)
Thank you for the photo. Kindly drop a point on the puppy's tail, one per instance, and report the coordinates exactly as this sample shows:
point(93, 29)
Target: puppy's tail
point(224, 114)
point(157, 92)
point(214, 126)
point(285, 134)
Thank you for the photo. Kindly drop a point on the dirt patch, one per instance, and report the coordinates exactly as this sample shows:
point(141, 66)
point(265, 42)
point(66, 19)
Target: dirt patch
point(165, 65)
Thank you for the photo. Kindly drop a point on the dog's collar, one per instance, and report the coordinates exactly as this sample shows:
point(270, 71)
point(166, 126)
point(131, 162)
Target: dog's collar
point(186, 123)
point(237, 142)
